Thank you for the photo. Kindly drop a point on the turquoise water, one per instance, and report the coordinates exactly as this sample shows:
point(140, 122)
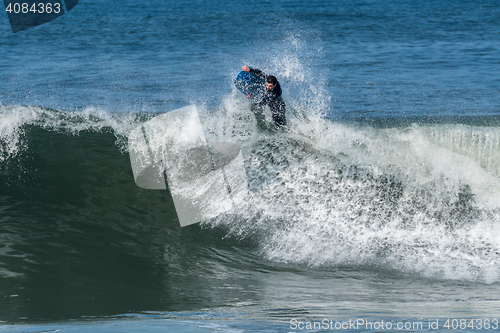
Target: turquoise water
point(381, 204)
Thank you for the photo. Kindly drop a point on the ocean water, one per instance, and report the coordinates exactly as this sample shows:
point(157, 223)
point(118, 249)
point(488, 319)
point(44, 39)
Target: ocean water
point(378, 212)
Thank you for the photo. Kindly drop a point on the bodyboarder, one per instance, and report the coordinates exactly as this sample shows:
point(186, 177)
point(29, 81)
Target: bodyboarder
point(271, 96)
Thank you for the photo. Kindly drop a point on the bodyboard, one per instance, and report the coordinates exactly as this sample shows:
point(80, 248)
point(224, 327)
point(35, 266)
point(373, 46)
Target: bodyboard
point(250, 83)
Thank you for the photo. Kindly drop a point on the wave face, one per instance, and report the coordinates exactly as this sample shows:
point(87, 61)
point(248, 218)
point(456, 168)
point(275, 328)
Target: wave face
point(420, 199)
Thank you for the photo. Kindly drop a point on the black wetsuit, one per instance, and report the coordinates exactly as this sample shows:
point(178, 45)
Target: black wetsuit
point(273, 99)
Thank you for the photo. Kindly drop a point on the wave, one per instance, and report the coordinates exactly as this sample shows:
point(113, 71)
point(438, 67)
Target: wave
point(421, 199)
point(15, 119)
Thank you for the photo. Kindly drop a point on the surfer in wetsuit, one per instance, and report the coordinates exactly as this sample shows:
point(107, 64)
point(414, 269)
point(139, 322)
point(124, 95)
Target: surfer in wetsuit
point(271, 96)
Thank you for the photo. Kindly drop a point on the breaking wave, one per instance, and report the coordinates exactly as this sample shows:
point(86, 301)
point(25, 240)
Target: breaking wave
point(422, 199)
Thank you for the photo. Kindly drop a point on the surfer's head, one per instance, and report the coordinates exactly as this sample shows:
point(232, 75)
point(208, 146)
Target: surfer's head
point(271, 82)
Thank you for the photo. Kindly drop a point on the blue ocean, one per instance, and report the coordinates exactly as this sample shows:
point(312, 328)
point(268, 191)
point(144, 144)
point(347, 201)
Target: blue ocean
point(378, 211)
